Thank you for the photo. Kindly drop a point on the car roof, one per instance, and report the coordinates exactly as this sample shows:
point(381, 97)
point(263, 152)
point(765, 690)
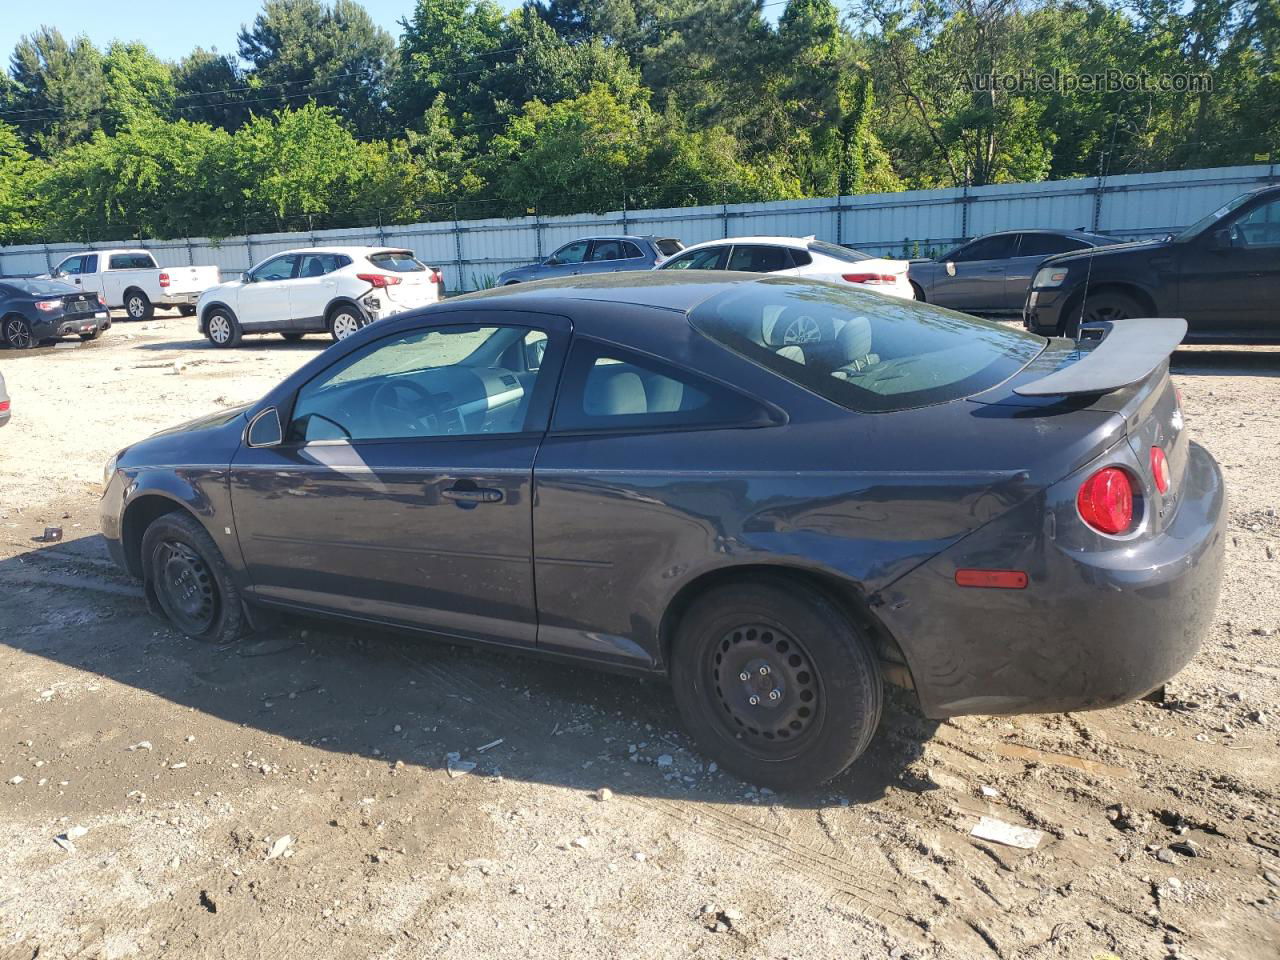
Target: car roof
point(359, 251)
point(616, 236)
point(798, 243)
point(677, 292)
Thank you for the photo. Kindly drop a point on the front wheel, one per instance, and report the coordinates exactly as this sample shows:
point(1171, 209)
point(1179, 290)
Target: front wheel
point(775, 682)
point(138, 306)
point(1109, 305)
point(344, 322)
point(17, 333)
point(186, 576)
point(222, 329)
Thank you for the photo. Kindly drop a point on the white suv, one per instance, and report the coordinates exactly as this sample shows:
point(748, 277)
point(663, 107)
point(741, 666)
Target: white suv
point(325, 289)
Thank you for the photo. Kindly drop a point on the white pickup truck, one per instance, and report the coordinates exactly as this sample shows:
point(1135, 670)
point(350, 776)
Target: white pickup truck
point(131, 279)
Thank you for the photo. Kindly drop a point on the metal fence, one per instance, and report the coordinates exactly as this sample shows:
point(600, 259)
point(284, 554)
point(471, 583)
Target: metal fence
point(915, 223)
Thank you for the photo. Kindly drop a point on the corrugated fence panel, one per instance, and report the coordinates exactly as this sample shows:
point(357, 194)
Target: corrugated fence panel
point(473, 252)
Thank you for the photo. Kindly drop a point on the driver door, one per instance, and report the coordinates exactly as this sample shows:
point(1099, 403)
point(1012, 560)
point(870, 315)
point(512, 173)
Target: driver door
point(1231, 288)
point(402, 489)
point(264, 301)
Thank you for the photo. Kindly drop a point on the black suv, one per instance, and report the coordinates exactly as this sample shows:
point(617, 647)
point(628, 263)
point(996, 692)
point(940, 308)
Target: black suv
point(1222, 274)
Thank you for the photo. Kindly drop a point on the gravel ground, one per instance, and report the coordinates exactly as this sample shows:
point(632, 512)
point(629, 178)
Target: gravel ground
point(292, 796)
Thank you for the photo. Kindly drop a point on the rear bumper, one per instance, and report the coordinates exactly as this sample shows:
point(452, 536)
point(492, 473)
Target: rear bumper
point(178, 299)
point(1092, 629)
point(1044, 311)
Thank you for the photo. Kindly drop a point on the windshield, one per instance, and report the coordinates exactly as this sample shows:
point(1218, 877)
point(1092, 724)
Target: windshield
point(1207, 221)
point(397, 261)
point(838, 252)
point(862, 350)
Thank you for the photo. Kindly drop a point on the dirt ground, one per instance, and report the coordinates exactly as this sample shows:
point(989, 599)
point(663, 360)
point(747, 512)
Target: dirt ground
point(291, 797)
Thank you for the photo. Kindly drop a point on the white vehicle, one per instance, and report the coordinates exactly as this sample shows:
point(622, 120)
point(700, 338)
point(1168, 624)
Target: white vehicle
point(325, 289)
point(131, 279)
point(799, 257)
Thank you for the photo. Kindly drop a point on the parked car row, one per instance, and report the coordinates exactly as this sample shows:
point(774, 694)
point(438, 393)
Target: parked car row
point(34, 310)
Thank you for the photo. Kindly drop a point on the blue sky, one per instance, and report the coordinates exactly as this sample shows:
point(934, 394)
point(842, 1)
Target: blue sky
point(172, 28)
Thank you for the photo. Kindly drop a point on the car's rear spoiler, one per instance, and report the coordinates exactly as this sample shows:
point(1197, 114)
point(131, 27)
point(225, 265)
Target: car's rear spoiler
point(1130, 349)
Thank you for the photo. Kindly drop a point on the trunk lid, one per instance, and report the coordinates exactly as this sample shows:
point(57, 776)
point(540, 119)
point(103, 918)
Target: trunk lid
point(188, 280)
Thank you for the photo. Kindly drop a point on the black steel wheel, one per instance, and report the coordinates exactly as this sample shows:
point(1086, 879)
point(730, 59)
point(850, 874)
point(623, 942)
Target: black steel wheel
point(17, 333)
point(188, 581)
point(775, 681)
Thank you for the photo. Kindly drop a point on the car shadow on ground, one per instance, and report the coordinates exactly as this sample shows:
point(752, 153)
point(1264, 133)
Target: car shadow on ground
point(390, 696)
point(311, 344)
point(1226, 362)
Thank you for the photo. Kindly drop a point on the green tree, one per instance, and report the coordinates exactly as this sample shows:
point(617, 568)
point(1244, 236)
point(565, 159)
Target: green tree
point(60, 92)
point(333, 53)
point(137, 84)
point(209, 89)
point(20, 177)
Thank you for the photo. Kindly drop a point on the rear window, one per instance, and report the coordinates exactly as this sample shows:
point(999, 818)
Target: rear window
point(838, 252)
point(397, 261)
point(131, 261)
point(668, 246)
point(862, 350)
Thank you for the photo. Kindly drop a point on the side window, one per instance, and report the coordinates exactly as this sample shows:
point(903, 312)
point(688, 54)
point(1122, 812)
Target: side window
point(281, 268)
point(318, 264)
point(801, 258)
point(89, 264)
point(759, 258)
point(606, 250)
point(131, 261)
point(708, 258)
point(1258, 228)
point(987, 248)
point(571, 252)
point(608, 388)
point(69, 267)
point(630, 251)
point(1047, 244)
point(437, 382)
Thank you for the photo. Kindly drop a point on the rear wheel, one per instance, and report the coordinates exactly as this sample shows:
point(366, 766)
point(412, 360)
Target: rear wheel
point(222, 329)
point(186, 575)
point(775, 682)
point(138, 306)
point(17, 333)
point(343, 322)
point(187, 309)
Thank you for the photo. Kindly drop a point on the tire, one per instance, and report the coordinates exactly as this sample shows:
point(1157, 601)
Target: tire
point(1109, 305)
point(830, 692)
point(188, 581)
point(86, 337)
point(916, 292)
point(138, 306)
point(293, 337)
point(16, 332)
point(222, 329)
point(343, 322)
point(187, 309)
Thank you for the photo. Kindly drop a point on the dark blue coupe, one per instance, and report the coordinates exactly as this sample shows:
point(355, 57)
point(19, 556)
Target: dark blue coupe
point(780, 493)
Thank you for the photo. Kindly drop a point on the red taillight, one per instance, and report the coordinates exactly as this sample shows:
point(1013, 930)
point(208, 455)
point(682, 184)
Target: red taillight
point(102, 301)
point(1105, 501)
point(4, 406)
point(874, 278)
point(47, 305)
point(1006, 579)
point(378, 280)
point(437, 276)
point(1160, 469)
point(164, 279)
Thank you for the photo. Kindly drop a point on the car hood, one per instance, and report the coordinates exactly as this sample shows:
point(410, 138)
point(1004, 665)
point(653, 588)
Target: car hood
point(1111, 250)
point(221, 289)
point(207, 441)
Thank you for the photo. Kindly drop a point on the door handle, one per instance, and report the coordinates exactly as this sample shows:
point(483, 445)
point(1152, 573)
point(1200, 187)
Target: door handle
point(994, 269)
point(471, 495)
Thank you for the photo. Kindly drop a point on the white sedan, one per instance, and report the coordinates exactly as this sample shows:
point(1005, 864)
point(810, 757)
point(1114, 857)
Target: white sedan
point(800, 257)
point(324, 289)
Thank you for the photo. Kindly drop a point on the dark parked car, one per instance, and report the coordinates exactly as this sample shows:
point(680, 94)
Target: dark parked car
point(597, 255)
point(991, 274)
point(34, 310)
point(5, 412)
point(1222, 274)
point(646, 472)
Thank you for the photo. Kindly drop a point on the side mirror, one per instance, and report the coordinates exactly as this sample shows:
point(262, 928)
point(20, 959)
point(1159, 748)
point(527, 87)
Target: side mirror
point(265, 430)
point(551, 262)
point(246, 277)
point(534, 352)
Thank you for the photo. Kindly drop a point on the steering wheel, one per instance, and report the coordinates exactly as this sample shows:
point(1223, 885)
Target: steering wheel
point(390, 416)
